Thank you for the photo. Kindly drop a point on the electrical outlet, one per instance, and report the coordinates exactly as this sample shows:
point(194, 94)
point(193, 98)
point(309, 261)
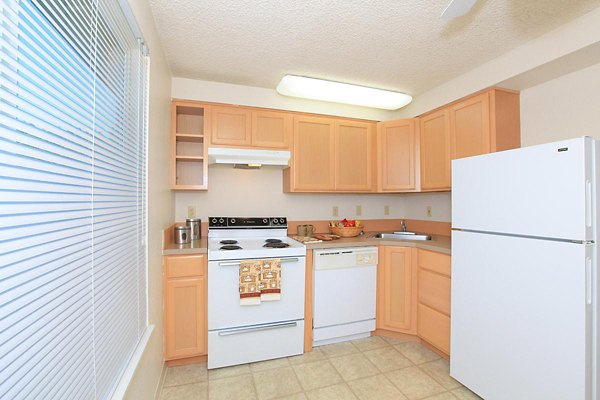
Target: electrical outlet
point(429, 214)
point(335, 211)
point(386, 210)
point(358, 211)
point(191, 211)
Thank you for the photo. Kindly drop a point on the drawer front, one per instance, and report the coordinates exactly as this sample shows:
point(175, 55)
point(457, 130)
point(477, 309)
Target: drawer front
point(256, 343)
point(434, 291)
point(436, 262)
point(434, 327)
point(183, 266)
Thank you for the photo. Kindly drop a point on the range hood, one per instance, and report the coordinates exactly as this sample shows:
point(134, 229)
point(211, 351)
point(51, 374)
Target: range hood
point(249, 158)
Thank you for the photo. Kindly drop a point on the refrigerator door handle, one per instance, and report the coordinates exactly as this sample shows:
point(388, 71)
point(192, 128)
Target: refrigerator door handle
point(588, 203)
point(588, 280)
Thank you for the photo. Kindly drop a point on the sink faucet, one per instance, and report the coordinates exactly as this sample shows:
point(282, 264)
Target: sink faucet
point(403, 225)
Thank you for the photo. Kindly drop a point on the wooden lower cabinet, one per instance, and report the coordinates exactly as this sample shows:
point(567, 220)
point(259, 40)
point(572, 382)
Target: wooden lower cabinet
point(185, 306)
point(433, 310)
point(396, 289)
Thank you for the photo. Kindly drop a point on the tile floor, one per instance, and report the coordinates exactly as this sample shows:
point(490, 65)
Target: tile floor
point(374, 368)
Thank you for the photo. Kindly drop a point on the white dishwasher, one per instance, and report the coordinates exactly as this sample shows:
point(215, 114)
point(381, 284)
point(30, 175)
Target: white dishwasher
point(344, 287)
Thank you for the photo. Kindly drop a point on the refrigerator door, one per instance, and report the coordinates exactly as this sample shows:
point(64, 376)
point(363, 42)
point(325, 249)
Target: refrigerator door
point(521, 325)
point(544, 191)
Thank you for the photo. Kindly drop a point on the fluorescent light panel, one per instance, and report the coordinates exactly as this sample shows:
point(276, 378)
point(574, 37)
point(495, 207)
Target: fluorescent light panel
point(337, 92)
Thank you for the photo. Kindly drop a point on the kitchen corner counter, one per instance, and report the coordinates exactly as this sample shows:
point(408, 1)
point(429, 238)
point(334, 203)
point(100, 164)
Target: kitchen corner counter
point(196, 247)
point(439, 244)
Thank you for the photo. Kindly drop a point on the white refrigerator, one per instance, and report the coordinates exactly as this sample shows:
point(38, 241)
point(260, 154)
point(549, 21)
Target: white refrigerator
point(525, 272)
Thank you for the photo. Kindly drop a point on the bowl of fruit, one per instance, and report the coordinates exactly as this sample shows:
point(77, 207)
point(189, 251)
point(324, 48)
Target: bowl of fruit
point(346, 227)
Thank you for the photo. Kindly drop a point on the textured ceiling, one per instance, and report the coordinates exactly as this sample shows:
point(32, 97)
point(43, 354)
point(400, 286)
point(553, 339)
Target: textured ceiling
point(401, 45)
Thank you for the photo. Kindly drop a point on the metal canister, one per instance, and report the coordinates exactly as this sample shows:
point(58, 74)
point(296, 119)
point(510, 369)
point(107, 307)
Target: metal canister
point(194, 224)
point(182, 235)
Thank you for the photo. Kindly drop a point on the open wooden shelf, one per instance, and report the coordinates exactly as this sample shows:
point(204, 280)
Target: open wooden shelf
point(189, 169)
point(189, 158)
point(189, 137)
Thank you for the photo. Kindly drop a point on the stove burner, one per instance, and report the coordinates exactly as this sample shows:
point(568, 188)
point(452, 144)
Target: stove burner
point(230, 246)
point(273, 240)
point(276, 245)
point(228, 241)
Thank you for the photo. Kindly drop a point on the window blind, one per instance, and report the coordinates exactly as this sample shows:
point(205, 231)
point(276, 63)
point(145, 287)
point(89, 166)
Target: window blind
point(73, 127)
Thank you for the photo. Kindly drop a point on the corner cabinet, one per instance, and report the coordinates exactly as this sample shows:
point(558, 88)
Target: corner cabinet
point(190, 123)
point(486, 122)
point(185, 306)
point(397, 289)
point(331, 155)
point(397, 153)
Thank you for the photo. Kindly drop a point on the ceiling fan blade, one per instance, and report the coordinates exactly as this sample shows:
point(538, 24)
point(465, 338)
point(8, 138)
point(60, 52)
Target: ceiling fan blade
point(457, 8)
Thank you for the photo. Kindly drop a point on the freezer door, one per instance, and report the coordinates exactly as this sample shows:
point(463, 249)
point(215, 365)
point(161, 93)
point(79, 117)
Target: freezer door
point(521, 325)
point(544, 191)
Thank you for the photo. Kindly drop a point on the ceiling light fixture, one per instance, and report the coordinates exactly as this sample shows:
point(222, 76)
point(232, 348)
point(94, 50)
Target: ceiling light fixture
point(337, 92)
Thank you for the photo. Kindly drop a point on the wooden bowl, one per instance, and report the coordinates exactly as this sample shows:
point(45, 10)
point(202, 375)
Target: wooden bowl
point(350, 231)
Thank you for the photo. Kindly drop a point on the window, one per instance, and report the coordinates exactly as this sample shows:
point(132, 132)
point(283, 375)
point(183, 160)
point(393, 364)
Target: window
point(73, 127)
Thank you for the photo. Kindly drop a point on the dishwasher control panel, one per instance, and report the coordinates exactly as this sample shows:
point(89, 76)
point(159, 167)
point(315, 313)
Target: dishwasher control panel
point(366, 259)
point(346, 257)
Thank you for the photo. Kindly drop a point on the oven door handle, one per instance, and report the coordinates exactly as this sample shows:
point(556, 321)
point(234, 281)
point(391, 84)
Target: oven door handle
point(258, 328)
point(237, 263)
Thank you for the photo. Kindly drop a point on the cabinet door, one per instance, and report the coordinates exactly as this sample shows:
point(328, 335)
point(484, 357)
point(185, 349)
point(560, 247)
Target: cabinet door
point(313, 157)
point(185, 308)
point(231, 126)
point(470, 126)
point(397, 150)
point(435, 150)
point(354, 156)
point(271, 129)
point(396, 290)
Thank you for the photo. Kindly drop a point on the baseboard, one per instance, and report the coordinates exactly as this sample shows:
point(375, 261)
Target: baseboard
point(187, 361)
point(161, 382)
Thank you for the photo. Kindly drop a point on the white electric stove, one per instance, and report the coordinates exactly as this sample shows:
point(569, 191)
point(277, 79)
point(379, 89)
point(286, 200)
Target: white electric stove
point(241, 334)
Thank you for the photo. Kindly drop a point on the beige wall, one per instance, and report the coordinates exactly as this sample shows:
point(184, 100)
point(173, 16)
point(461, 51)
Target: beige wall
point(260, 193)
point(565, 107)
point(193, 89)
point(160, 202)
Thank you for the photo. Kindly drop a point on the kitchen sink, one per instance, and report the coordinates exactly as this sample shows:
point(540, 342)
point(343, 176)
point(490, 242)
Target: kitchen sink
point(402, 236)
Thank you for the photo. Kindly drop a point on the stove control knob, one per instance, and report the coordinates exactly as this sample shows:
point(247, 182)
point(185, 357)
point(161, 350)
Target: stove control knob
point(233, 220)
point(214, 220)
point(265, 220)
point(221, 220)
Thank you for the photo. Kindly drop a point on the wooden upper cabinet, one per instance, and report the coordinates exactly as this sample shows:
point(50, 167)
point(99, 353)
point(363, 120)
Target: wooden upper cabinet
point(313, 161)
point(231, 126)
point(470, 126)
point(397, 153)
point(435, 150)
point(354, 156)
point(396, 289)
point(271, 129)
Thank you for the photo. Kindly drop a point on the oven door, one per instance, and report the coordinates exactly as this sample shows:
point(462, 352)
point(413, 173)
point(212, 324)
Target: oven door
point(225, 311)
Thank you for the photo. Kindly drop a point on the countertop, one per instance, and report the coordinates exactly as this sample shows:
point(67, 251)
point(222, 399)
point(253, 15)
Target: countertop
point(440, 244)
point(196, 247)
